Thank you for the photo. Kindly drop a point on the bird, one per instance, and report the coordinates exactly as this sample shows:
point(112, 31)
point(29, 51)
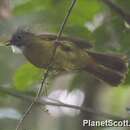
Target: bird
point(72, 54)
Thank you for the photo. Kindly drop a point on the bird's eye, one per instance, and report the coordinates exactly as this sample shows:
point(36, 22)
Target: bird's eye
point(19, 37)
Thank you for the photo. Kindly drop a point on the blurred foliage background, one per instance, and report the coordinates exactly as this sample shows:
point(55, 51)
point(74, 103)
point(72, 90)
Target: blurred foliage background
point(92, 20)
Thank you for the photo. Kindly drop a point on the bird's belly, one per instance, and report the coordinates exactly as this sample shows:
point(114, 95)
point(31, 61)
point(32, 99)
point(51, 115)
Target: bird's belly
point(70, 61)
point(38, 57)
point(63, 61)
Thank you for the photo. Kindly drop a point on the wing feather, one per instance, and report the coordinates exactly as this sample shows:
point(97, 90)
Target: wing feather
point(81, 43)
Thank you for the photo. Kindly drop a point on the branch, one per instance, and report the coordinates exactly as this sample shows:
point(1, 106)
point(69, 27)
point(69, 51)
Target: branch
point(118, 10)
point(26, 98)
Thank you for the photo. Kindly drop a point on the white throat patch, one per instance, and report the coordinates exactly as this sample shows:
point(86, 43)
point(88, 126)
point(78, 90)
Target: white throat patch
point(16, 49)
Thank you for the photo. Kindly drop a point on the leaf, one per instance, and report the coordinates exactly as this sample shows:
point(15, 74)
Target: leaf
point(30, 6)
point(26, 76)
point(80, 13)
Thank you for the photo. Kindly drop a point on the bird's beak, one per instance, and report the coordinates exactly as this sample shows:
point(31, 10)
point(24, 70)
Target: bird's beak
point(8, 43)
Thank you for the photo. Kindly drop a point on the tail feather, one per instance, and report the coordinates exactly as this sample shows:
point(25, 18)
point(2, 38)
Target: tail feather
point(115, 62)
point(110, 68)
point(111, 77)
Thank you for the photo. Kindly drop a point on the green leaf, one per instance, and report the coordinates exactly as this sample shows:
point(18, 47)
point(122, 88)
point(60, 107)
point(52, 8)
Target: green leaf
point(26, 76)
point(30, 6)
point(85, 10)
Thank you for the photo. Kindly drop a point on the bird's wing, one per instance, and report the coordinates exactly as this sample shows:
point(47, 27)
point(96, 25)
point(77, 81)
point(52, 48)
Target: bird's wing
point(81, 43)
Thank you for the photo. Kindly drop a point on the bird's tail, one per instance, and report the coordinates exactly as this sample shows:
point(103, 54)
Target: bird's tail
point(110, 68)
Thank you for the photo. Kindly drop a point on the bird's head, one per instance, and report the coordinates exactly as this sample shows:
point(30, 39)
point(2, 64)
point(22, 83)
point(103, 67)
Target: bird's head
point(20, 40)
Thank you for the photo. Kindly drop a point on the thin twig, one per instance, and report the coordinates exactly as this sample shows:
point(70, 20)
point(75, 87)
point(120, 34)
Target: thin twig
point(27, 98)
point(66, 19)
point(118, 10)
point(49, 66)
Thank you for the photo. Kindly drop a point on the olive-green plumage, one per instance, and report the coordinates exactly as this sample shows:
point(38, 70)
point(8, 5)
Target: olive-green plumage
point(72, 54)
point(68, 56)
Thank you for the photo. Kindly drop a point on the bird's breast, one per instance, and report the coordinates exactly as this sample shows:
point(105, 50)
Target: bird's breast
point(38, 55)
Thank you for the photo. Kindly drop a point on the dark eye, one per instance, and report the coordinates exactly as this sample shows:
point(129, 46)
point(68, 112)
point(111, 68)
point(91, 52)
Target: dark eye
point(19, 37)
